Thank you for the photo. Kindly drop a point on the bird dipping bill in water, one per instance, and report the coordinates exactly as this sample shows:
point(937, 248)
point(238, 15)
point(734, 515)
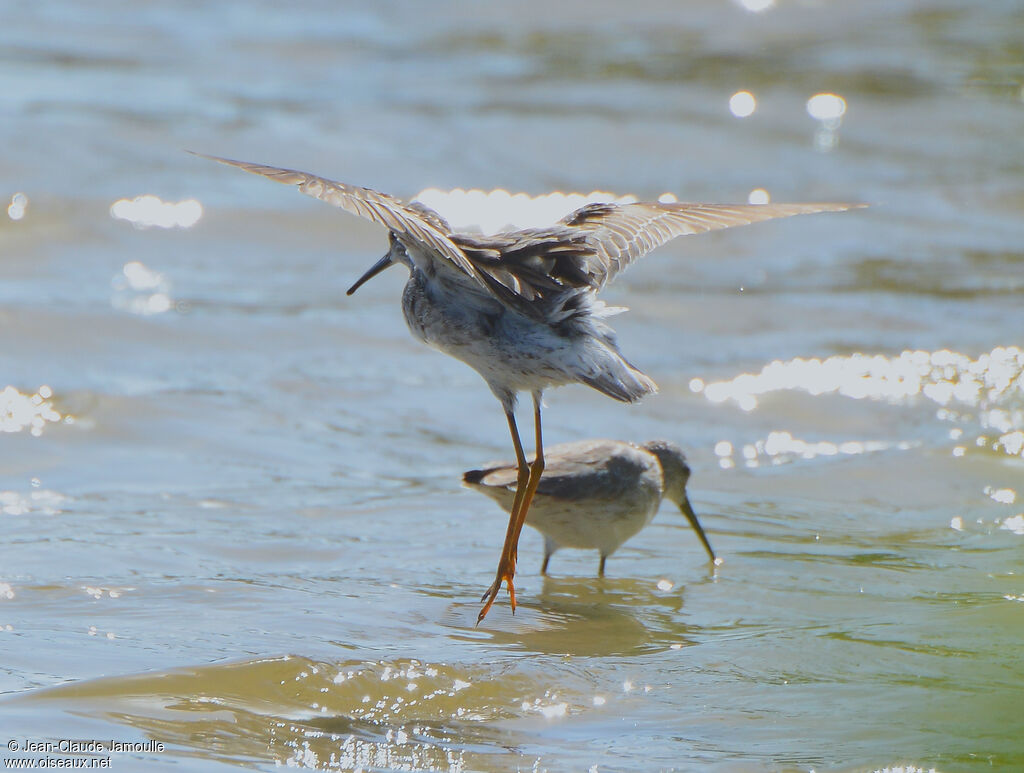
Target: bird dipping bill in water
point(521, 307)
point(596, 494)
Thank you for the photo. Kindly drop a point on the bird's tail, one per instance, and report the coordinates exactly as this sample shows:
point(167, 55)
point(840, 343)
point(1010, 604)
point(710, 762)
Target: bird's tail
point(475, 476)
point(614, 376)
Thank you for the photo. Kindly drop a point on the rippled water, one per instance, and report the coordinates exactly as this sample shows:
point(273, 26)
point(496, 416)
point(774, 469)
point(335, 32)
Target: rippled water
point(231, 514)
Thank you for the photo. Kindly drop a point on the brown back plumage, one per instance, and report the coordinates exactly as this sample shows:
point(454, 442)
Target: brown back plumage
point(585, 251)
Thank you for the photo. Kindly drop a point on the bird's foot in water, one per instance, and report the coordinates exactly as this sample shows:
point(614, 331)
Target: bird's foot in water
point(505, 574)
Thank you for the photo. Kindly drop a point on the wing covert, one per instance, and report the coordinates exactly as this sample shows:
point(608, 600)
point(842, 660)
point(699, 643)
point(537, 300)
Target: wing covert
point(620, 234)
point(418, 224)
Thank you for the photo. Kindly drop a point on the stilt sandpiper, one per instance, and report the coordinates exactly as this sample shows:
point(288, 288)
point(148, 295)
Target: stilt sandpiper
point(521, 307)
point(596, 494)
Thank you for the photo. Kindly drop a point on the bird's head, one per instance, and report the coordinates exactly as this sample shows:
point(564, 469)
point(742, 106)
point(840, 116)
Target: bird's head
point(676, 474)
point(396, 254)
point(674, 469)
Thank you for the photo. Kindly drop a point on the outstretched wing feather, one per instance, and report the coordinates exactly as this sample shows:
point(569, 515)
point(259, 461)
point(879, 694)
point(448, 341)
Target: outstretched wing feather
point(621, 234)
point(586, 250)
point(412, 223)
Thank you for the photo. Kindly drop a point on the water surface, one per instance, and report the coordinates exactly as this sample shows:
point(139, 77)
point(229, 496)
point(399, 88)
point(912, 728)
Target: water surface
point(229, 495)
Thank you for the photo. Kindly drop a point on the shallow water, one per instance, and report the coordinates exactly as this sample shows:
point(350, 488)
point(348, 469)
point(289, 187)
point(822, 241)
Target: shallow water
point(232, 519)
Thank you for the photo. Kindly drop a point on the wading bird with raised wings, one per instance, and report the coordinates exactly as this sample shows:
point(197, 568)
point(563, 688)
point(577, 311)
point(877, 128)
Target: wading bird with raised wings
point(521, 307)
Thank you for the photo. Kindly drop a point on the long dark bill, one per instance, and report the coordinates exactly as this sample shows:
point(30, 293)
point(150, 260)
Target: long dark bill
point(375, 269)
point(691, 516)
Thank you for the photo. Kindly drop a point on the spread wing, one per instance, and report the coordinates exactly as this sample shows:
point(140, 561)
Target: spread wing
point(587, 249)
point(414, 224)
point(620, 234)
point(523, 266)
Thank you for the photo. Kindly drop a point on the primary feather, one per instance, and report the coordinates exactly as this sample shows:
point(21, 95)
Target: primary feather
point(584, 251)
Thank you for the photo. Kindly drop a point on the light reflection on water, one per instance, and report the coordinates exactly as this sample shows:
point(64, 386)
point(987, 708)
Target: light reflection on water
point(19, 411)
point(757, 6)
point(992, 385)
point(1015, 524)
point(742, 104)
point(147, 211)
point(140, 290)
point(942, 377)
point(781, 447)
point(39, 501)
point(19, 204)
point(241, 485)
point(498, 210)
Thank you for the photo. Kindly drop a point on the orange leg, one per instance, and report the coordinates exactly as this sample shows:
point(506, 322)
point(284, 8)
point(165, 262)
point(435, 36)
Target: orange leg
point(503, 572)
point(536, 470)
point(526, 486)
